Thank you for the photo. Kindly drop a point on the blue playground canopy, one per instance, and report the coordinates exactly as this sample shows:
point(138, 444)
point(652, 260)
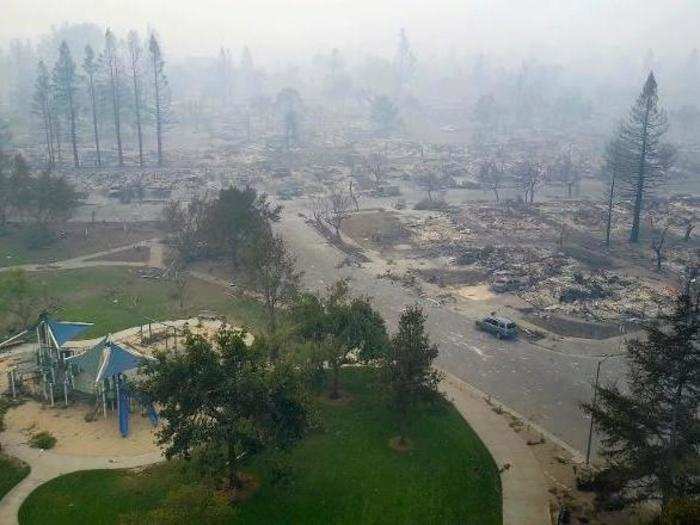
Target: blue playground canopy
point(105, 360)
point(63, 331)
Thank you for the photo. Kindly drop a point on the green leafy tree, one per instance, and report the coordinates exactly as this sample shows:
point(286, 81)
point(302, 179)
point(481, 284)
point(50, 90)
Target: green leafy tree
point(235, 220)
point(271, 272)
point(340, 325)
point(65, 83)
point(21, 299)
point(650, 426)
point(409, 371)
point(225, 396)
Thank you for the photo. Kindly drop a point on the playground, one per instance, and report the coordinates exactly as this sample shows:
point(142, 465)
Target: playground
point(81, 391)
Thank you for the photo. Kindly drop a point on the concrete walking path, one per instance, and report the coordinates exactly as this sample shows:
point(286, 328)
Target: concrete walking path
point(89, 260)
point(523, 487)
point(46, 465)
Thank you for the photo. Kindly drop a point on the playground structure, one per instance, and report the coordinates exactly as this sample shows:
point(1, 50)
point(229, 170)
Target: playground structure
point(102, 372)
point(48, 364)
point(48, 372)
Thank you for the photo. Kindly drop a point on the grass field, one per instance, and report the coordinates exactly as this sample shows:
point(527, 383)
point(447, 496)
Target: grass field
point(12, 471)
point(116, 298)
point(14, 248)
point(343, 473)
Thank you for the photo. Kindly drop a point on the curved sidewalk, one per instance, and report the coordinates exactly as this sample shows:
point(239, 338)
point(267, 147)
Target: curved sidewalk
point(46, 465)
point(523, 488)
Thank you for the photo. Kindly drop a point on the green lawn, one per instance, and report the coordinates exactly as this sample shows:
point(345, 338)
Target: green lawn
point(344, 472)
point(12, 471)
point(15, 250)
point(115, 298)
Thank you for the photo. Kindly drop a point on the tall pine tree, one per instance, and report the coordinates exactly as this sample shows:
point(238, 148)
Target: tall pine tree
point(135, 54)
point(158, 92)
point(42, 107)
point(90, 66)
point(650, 426)
point(113, 65)
point(65, 80)
point(642, 154)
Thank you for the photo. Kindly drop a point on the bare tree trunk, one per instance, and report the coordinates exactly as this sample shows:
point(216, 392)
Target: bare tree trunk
point(46, 114)
point(73, 134)
point(113, 72)
point(608, 225)
point(57, 137)
point(94, 121)
point(137, 107)
point(233, 477)
point(159, 127)
point(335, 385)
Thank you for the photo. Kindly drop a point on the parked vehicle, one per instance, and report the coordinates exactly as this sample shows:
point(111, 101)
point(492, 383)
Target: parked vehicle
point(501, 327)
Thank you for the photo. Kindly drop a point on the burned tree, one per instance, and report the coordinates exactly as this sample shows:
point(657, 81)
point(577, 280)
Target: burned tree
point(568, 170)
point(43, 109)
point(428, 180)
point(135, 54)
point(288, 103)
point(337, 210)
point(491, 176)
point(528, 176)
point(91, 67)
point(375, 164)
point(658, 230)
point(159, 85)
point(112, 64)
point(65, 81)
point(612, 170)
point(688, 227)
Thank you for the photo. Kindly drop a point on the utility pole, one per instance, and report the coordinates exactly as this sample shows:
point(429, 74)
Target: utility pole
point(605, 357)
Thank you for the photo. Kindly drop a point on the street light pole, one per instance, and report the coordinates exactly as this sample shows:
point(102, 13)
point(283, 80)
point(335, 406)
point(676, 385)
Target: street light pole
point(595, 401)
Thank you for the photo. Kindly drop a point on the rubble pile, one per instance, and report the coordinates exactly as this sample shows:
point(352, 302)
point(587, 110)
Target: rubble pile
point(603, 296)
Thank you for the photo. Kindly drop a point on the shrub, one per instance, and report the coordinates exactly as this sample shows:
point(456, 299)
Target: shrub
point(187, 504)
point(37, 236)
point(43, 440)
point(681, 512)
point(427, 204)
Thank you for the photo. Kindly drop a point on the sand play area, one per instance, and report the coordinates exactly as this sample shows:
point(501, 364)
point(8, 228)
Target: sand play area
point(76, 436)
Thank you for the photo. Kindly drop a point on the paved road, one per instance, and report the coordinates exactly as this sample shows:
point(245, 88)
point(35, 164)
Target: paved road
point(544, 386)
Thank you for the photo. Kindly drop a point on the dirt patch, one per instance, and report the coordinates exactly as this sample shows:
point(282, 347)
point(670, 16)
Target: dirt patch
point(452, 277)
point(377, 229)
point(478, 292)
point(573, 328)
point(399, 445)
point(250, 484)
point(135, 254)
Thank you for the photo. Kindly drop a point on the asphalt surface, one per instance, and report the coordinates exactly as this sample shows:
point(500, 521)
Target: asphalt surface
point(545, 386)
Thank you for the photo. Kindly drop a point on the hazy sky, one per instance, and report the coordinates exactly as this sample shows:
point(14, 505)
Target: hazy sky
point(200, 27)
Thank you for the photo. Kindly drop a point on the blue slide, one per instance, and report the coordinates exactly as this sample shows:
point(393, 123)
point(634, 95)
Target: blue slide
point(124, 412)
point(152, 414)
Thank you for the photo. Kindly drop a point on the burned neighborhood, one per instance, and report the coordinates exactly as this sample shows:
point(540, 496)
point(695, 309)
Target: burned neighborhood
point(261, 275)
